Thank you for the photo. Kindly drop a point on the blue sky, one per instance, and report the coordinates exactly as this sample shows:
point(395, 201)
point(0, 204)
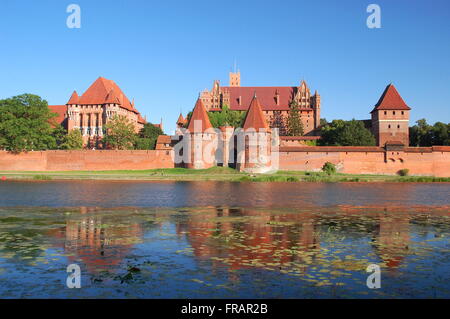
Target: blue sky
point(163, 53)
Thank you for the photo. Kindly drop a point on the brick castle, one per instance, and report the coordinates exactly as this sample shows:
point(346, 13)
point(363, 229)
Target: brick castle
point(389, 121)
point(92, 110)
point(262, 150)
point(275, 101)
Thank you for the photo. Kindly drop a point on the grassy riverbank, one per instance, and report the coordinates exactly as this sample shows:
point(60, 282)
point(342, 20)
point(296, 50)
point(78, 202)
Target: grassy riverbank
point(213, 174)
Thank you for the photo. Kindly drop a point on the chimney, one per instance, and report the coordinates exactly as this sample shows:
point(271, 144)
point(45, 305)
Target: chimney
point(277, 97)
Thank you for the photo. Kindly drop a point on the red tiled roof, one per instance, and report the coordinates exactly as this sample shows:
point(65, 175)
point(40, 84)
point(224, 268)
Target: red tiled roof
point(391, 100)
point(163, 142)
point(255, 118)
point(199, 114)
point(395, 143)
point(266, 96)
point(331, 149)
point(181, 119)
point(61, 110)
point(141, 120)
point(105, 91)
point(74, 98)
point(165, 139)
point(440, 148)
point(300, 138)
point(423, 149)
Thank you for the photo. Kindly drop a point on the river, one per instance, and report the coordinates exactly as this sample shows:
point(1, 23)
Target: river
point(224, 239)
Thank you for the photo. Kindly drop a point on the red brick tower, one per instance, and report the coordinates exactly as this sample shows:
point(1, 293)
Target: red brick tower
point(257, 140)
point(390, 118)
point(181, 122)
point(235, 79)
point(201, 136)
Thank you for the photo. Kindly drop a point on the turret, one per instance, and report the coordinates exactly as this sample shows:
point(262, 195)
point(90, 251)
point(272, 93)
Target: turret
point(390, 118)
point(256, 141)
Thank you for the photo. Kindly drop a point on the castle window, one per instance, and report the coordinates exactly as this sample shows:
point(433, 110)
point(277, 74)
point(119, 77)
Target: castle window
point(385, 112)
point(393, 112)
point(403, 113)
point(398, 126)
point(389, 126)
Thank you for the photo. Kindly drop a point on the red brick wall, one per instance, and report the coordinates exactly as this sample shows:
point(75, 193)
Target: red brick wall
point(85, 160)
point(424, 161)
point(420, 161)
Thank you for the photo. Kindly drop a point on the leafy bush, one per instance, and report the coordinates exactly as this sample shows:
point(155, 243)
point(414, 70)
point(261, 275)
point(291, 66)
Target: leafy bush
point(403, 172)
point(329, 168)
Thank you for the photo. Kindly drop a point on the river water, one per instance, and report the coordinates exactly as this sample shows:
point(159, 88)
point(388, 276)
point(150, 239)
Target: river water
point(224, 239)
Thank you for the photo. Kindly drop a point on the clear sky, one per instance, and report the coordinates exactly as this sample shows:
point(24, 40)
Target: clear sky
point(163, 53)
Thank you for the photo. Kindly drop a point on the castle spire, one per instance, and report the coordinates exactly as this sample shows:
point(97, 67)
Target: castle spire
point(255, 118)
point(391, 100)
point(199, 114)
point(73, 98)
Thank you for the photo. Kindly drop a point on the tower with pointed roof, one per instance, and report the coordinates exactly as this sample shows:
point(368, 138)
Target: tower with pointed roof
point(181, 122)
point(390, 118)
point(199, 138)
point(256, 139)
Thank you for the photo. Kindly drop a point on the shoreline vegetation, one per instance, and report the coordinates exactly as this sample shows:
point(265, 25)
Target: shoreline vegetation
point(212, 174)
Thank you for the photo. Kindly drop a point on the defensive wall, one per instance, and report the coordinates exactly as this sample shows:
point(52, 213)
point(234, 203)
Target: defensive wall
point(426, 161)
point(85, 160)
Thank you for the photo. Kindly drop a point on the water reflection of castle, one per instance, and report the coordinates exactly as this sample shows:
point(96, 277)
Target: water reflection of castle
point(99, 241)
point(283, 237)
point(254, 238)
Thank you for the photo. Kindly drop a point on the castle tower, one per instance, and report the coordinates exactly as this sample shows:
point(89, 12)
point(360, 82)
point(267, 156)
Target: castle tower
point(256, 137)
point(73, 113)
point(235, 79)
point(390, 118)
point(315, 103)
point(200, 136)
point(180, 125)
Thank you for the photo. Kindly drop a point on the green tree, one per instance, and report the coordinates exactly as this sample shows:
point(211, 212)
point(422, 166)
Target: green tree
point(146, 140)
point(188, 118)
point(60, 135)
point(294, 121)
point(346, 133)
point(440, 132)
point(423, 134)
point(25, 124)
point(226, 117)
point(120, 133)
point(72, 141)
